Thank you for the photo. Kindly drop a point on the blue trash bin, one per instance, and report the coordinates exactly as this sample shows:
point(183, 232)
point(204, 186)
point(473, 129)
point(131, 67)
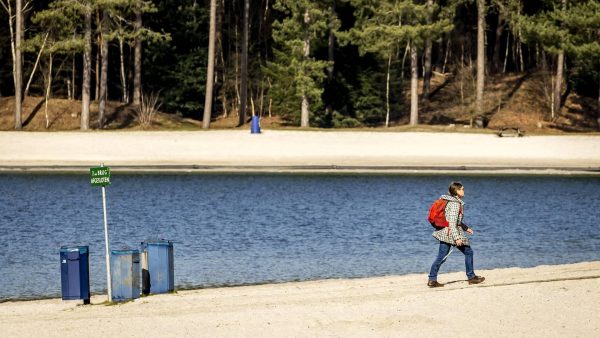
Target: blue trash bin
point(75, 273)
point(125, 274)
point(157, 267)
point(255, 125)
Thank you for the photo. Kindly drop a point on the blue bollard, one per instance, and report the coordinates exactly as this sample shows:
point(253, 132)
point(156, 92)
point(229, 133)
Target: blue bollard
point(75, 273)
point(255, 125)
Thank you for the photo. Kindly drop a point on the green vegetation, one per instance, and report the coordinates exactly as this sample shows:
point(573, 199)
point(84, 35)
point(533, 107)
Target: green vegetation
point(311, 63)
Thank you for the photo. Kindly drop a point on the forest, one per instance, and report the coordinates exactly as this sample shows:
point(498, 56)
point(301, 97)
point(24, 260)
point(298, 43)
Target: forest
point(306, 63)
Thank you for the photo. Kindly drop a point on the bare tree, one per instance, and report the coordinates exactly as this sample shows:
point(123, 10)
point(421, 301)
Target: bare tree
point(330, 54)
point(481, 10)
point(414, 83)
point(16, 40)
point(210, 69)
point(560, 62)
point(244, 70)
point(304, 117)
point(497, 41)
point(18, 65)
point(47, 91)
point(137, 59)
point(124, 91)
point(103, 70)
point(427, 62)
point(244, 66)
point(87, 68)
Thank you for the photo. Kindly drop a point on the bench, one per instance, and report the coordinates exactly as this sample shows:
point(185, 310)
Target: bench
point(510, 131)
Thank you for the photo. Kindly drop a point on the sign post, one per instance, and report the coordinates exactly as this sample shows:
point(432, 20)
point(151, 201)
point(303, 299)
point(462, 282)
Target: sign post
point(100, 176)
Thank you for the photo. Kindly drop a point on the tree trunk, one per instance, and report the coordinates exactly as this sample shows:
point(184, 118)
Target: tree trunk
point(220, 17)
point(521, 63)
point(87, 69)
point(73, 77)
point(497, 42)
point(480, 55)
point(124, 97)
point(37, 61)
point(18, 66)
point(137, 61)
point(331, 42)
point(598, 115)
point(427, 72)
point(462, 75)
point(558, 83)
point(48, 88)
point(305, 113)
point(506, 52)
point(414, 83)
point(252, 103)
point(238, 96)
point(210, 69)
point(244, 70)
point(330, 57)
point(446, 55)
point(427, 62)
point(103, 71)
point(224, 92)
point(98, 57)
point(406, 50)
point(387, 92)
point(560, 62)
point(262, 98)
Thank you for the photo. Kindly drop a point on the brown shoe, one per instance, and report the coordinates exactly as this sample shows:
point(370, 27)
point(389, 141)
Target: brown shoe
point(434, 284)
point(476, 280)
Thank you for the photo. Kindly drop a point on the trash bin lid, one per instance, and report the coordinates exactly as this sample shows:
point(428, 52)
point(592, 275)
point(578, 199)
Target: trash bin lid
point(158, 242)
point(124, 252)
point(82, 249)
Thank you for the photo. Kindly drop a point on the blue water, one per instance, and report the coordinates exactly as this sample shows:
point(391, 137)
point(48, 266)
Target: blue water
point(248, 228)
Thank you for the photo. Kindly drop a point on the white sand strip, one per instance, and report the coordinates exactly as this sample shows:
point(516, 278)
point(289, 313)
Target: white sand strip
point(277, 149)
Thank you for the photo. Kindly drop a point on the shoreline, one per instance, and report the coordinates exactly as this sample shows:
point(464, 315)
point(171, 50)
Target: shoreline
point(511, 302)
point(98, 296)
point(310, 170)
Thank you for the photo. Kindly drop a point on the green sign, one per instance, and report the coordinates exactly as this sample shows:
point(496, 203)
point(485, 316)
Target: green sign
point(100, 176)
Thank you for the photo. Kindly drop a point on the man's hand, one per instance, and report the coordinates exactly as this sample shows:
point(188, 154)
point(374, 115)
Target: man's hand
point(459, 242)
point(470, 231)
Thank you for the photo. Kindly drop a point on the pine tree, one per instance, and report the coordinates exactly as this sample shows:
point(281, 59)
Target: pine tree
point(565, 27)
point(56, 38)
point(382, 26)
point(481, 24)
point(297, 76)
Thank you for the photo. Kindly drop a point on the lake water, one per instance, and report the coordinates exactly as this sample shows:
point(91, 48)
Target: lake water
point(258, 228)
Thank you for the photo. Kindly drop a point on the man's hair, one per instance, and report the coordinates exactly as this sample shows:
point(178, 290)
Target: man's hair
point(454, 188)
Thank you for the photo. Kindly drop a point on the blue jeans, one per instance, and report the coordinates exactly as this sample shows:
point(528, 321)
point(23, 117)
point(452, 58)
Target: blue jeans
point(443, 251)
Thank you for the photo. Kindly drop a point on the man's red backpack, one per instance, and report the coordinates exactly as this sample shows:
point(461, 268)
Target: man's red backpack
point(437, 214)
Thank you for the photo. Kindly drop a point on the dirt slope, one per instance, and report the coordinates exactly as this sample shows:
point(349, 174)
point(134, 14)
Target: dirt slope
point(520, 100)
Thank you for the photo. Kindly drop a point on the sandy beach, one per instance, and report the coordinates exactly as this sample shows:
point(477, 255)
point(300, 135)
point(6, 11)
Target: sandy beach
point(297, 151)
point(550, 301)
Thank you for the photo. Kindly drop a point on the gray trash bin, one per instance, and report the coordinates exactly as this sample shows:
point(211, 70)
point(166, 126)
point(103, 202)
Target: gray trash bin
point(157, 267)
point(125, 274)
